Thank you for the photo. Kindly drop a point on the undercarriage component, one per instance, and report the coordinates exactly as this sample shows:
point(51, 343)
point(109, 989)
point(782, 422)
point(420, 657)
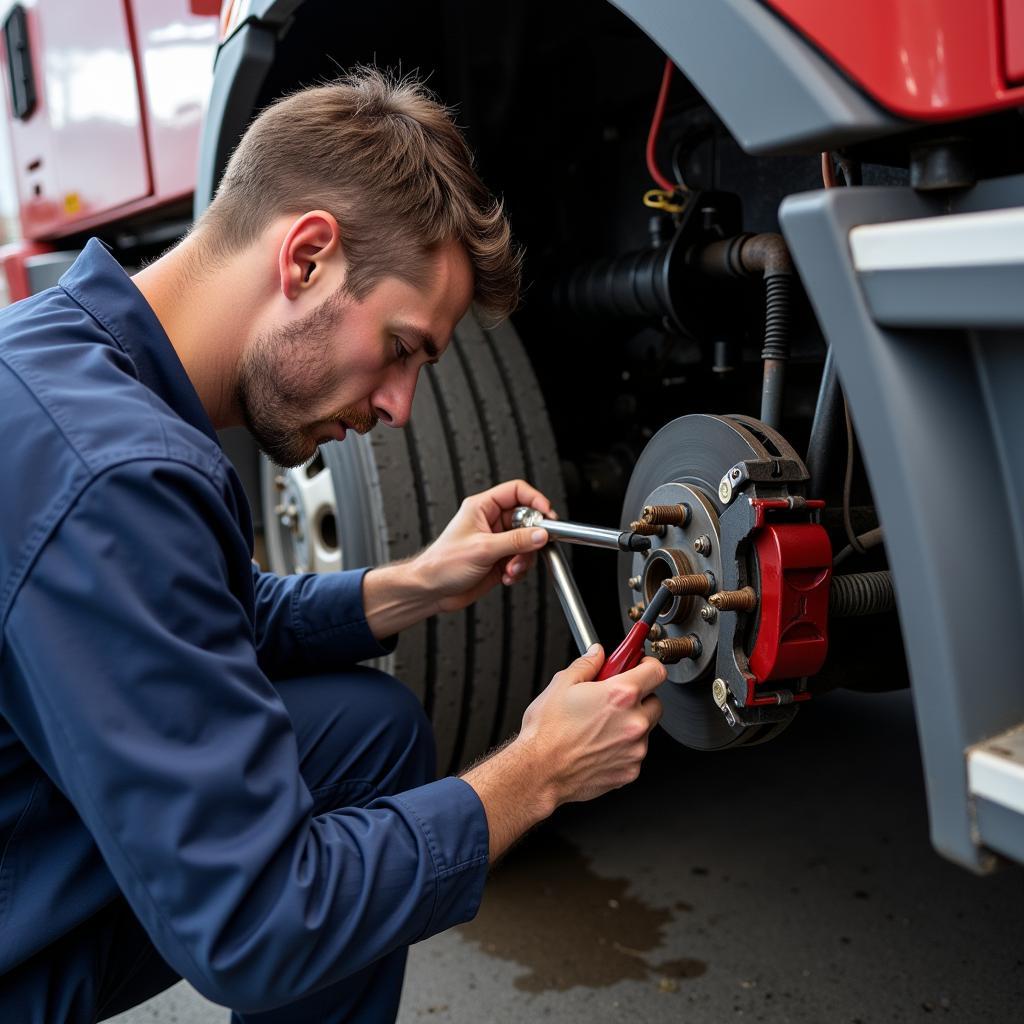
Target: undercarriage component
point(862, 593)
point(749, 570)
point(658, 283)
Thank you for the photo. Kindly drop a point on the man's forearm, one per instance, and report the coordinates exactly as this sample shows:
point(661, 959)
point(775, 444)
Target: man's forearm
point(514, 794)
point(396, 597)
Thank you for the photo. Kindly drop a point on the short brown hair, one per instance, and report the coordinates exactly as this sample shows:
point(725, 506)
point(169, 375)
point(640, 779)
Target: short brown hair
point(384, 157)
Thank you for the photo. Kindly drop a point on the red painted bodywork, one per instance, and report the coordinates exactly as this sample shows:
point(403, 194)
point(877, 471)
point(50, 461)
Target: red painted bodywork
point(122, 87)
point(921, 59)
point(795, 570)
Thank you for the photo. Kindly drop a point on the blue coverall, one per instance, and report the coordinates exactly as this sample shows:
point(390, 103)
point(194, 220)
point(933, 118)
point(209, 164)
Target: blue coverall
point(196, 779)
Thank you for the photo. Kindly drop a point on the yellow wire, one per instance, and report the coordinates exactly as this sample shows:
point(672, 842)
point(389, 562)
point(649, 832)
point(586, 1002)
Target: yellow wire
point(662, 199)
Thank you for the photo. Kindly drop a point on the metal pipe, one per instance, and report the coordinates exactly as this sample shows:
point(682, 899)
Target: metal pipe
point(825, 428)
point(576, 614)
point(580, 533)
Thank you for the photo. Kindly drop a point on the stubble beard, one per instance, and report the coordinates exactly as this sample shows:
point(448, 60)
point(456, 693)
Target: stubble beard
point(282, 377)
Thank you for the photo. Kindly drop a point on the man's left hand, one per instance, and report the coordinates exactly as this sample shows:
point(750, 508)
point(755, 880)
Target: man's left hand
point(477, 550)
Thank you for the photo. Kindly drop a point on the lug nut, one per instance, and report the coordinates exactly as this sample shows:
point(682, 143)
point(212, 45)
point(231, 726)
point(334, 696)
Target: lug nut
point(635, 612)
point(744, 600)
point(709, 613)
point(666, 515)
point(692, 583)
point(633, 582)
point(702, 545)
point(647, 529)
point(676, 648)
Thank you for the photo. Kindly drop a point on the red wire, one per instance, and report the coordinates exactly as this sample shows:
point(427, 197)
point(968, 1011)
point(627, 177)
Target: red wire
point(652, 135)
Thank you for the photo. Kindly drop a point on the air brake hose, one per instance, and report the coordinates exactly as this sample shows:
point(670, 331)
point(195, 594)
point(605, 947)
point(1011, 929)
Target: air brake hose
point(765, 254)
point(861, 593)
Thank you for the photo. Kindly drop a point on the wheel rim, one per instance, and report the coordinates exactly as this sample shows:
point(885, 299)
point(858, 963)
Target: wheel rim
point(302, 527)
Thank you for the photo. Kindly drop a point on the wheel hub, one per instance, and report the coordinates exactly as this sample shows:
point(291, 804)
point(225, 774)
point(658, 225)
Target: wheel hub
point(677, 553)
point(303, 536)
point(684, 463)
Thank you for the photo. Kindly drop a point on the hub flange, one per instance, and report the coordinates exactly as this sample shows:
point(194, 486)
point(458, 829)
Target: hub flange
point(677, 554)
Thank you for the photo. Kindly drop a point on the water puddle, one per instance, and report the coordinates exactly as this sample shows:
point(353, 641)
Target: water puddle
point(545, 909)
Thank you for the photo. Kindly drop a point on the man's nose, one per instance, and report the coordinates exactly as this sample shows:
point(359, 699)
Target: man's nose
point(393, 405)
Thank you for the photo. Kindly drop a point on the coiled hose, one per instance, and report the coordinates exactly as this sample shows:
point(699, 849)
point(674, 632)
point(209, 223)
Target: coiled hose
point(861, 593)
point(775, 351)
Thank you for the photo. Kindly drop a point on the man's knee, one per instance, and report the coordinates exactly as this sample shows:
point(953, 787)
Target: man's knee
point(410, 733)
point(360, 731)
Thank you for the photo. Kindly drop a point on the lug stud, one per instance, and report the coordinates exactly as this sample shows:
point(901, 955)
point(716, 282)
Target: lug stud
point(666, 515)
point(744, 600)
point(676, 648)
point(692, 583)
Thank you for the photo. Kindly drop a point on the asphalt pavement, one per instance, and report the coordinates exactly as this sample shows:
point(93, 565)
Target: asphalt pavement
point(791, 883)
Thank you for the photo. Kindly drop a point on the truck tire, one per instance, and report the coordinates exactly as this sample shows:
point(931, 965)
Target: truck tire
point(478, 419)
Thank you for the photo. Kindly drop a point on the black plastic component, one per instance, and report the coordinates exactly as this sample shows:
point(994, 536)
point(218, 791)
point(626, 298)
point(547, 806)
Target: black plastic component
point(656, 283)
point(943, 164)
point(634, 542)
point(19, 63)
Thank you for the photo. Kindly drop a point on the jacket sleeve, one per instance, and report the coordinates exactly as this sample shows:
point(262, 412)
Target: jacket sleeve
point(135, 683)
point(312, 621)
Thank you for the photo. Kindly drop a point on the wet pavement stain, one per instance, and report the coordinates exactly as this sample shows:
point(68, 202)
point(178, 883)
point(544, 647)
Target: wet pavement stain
point(545, 909)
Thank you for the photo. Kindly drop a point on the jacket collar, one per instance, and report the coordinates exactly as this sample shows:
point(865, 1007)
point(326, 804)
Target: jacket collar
point(98, 283)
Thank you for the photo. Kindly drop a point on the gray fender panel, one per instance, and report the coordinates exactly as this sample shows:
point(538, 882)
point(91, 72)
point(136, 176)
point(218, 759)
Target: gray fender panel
point(242, 64)
point(941, 426)
point(772, 89)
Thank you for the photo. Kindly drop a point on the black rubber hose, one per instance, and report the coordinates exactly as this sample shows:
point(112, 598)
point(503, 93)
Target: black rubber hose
point(861, 593)
point(775, 351)
point(776, 319)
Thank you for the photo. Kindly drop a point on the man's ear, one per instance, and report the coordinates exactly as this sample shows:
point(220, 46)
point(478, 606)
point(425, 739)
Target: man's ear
point(311, 240)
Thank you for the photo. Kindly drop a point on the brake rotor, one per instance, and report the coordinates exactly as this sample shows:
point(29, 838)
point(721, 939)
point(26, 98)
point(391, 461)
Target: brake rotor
point(694, 451)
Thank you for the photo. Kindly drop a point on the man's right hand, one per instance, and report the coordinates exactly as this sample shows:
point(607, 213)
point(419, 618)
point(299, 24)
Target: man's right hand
point(580, 738)
point(591, 737)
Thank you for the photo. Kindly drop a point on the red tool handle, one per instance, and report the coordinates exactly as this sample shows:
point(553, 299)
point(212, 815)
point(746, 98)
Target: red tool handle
point(627, 654)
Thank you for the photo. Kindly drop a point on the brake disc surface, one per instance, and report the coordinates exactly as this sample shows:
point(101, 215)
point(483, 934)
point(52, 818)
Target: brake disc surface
point(694, 450)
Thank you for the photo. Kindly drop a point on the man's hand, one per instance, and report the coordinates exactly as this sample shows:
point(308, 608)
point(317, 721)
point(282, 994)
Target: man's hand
point(579, 739)
point(477, 550)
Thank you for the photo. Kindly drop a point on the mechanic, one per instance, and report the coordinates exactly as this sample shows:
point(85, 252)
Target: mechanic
point(198, 779)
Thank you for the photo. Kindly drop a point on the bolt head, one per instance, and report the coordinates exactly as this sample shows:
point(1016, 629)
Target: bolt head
point(719, 692)
point(725, 492)
point(709, 613)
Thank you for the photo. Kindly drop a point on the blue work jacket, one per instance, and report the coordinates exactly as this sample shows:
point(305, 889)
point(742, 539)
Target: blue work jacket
point(143, 750)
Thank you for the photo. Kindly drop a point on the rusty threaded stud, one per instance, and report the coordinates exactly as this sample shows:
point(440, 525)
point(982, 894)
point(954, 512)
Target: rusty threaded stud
point(676, 648)
point(691, 583)
point(646, 529)
point(744, 600)
point(635, 612)
point(666, 515)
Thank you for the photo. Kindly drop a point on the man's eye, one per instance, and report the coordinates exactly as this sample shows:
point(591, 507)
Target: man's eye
point(401, 352)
